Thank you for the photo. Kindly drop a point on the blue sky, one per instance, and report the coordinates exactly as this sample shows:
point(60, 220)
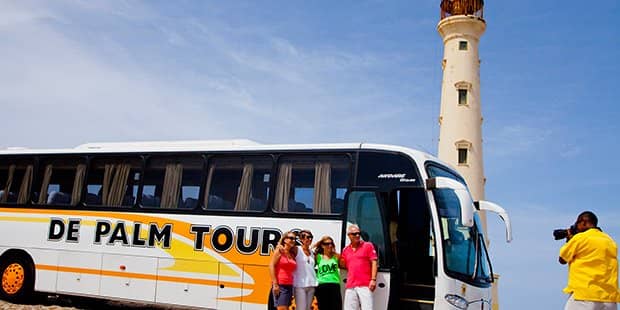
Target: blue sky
point(73, 72)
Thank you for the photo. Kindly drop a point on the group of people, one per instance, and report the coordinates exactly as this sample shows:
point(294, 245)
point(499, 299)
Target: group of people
point(305, 271)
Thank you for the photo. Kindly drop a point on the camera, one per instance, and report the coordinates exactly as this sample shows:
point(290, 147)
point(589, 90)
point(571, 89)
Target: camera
point(563, 233)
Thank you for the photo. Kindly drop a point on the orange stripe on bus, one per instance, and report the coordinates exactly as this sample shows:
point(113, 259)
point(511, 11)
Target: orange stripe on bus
point(133, 275)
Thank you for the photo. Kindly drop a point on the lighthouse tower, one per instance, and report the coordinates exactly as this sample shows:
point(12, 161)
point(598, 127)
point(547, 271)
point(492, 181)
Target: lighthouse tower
point(460, 118)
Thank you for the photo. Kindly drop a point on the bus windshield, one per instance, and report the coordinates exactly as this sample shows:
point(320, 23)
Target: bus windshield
point(464, 249)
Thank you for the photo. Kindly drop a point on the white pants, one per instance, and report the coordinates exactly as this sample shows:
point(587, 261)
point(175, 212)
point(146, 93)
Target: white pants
point(303, 297)
point(358, 298)
point(572, 304)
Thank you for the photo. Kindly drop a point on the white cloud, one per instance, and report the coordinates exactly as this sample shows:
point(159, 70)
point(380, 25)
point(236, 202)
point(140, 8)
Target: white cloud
point(65, 78)
point(516, 139)
point(13, 15)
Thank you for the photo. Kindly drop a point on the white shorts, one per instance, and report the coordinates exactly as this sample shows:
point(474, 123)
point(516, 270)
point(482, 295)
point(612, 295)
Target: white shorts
point(572, 304)
point(358, 298)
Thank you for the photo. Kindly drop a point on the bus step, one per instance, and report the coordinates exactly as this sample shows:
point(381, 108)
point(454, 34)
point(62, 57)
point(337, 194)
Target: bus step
point(413, 304)
point(418, 292)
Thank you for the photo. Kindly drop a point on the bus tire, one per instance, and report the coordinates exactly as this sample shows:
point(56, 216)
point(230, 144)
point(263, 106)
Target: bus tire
point(17, 278)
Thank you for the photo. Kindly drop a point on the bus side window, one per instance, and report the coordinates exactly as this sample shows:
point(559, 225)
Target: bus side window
point(15, 181)
point(113, 181)
point(60, 181)
point(312, 184)
point(172, 182)
point(153, 183)
point(238, 183)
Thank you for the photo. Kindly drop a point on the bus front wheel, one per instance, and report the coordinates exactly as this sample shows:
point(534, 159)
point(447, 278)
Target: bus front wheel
point(17, 276)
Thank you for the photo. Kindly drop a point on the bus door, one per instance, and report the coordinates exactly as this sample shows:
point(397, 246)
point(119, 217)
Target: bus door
point(412, 247)
point(364, 210)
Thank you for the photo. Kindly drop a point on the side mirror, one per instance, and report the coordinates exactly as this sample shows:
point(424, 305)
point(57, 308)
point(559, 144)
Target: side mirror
point(495, 208)
point(465, 201)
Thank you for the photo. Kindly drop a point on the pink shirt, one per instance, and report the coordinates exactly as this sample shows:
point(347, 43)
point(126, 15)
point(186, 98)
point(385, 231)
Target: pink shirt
point(284, 270)
point(359, 264)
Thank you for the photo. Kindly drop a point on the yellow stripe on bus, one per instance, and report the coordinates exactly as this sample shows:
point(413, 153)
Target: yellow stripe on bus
point(24, 219)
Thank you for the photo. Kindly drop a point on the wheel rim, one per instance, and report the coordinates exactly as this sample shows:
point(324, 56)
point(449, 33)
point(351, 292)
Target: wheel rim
point(13, 278)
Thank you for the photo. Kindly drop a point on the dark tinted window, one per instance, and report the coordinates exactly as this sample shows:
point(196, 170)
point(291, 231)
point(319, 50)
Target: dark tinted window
point(238, 183)
point(15, 180)
point(386, 170)
point(312, 184)
point(113, 181)
point(172, 182)
point(60, 181)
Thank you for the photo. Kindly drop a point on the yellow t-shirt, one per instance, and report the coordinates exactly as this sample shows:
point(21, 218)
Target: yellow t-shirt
point(593, 266)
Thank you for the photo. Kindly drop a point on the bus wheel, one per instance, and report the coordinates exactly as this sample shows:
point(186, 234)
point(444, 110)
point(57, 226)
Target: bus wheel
point(17, 277)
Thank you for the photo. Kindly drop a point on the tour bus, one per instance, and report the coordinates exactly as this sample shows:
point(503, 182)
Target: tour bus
point(194, 223)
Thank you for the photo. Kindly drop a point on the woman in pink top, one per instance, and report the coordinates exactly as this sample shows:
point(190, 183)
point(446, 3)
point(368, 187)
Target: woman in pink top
point(281, 269)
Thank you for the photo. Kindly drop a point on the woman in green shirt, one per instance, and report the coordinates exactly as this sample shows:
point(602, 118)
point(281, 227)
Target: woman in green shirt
point(328, 275)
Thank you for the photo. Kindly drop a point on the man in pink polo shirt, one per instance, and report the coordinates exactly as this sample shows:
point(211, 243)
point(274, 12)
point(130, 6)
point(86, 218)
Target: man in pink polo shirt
point(360, 260)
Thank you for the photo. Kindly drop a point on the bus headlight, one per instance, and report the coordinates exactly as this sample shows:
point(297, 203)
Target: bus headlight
point(457, 301)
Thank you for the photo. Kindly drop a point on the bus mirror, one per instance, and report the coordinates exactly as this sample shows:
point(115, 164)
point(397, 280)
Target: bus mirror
point(465, 201)
point(467, 207)
point(495, 208)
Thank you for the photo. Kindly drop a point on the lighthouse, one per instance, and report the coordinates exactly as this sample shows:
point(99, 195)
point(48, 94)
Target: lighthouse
point(460, 116)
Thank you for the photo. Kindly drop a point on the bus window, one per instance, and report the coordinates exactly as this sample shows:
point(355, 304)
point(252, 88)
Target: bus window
point(15, 181)
point(364, 210)
point(464, 252)
point(172, 182)
point(113, 181)
point(312, 184)
point(461, 244)
point(60, 181)
point(238, 183)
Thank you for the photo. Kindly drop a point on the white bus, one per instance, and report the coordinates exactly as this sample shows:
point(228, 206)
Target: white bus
point(194, 223)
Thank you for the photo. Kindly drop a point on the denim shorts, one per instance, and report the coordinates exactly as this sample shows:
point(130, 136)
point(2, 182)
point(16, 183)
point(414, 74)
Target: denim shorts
point(285, 296)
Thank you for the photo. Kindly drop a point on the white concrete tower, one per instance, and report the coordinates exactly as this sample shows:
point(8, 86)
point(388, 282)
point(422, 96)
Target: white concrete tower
point(460, 118)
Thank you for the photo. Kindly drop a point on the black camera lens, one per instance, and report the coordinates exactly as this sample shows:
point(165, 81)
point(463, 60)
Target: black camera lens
point(563, 233)
point(560, 234)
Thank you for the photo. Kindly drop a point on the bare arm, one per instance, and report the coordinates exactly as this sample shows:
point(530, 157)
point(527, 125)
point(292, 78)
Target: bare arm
point(272, 271)
point(341, 262)
point(373, 272)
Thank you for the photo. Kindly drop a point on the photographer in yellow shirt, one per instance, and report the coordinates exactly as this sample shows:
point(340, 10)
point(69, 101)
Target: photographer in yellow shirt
point(592, 258)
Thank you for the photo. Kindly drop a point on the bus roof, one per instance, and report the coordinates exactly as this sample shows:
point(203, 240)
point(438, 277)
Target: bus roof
point(211, 146)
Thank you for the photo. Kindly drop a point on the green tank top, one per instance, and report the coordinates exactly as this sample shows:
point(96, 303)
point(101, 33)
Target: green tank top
point(327, 270)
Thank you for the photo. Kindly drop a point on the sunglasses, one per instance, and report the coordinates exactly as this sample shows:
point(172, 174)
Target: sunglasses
point(308, 237)
point(354, 234)
point(327, 243)
point(289, 237)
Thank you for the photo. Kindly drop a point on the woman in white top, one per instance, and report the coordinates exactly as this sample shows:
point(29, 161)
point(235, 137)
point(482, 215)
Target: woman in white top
point(305, 280)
